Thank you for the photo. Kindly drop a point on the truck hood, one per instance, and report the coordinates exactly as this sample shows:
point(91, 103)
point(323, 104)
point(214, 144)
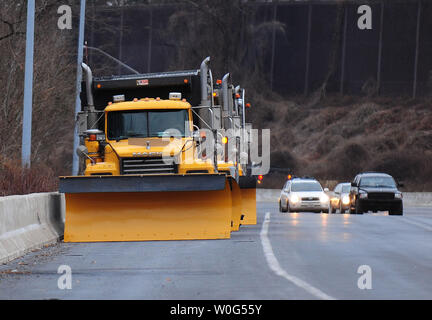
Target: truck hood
point(372, 189)
point(151, 147)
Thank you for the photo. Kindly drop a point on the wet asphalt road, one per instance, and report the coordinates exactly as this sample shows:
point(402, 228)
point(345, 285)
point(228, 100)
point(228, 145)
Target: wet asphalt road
point(289, 256)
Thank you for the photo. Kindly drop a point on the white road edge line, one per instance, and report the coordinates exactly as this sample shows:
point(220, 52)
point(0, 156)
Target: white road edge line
point(418, 224)
point(276, 268)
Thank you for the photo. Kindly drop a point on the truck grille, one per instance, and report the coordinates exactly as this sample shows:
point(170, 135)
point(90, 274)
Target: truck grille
point(381, 196)
point(147, 166)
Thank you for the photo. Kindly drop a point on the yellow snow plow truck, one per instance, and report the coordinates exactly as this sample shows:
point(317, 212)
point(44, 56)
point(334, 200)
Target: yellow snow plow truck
point(164, 157)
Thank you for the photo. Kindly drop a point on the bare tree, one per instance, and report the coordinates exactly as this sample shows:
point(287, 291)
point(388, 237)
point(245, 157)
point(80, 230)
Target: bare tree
point(54, 77)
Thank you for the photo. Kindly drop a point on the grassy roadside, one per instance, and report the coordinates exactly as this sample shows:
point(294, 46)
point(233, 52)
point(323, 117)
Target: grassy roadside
point(15, 180)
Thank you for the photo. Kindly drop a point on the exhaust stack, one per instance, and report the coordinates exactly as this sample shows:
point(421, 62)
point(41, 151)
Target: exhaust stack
point(225, 99)
point(92, 116)
point(89, 84)
point(204, 73)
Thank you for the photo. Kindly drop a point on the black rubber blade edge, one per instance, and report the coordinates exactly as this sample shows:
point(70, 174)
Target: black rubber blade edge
point(142, 183)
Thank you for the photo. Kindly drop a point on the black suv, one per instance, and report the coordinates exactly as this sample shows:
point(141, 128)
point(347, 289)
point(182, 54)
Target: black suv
point(373, 191)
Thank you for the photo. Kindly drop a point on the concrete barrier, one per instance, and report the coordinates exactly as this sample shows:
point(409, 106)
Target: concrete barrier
point(417, 199)
point(410, 199)
point(268, 195)
point(29, 222)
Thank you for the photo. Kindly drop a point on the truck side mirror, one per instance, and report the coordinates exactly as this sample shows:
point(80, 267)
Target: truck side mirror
point(326, 190)
point(196, 136)
point(353, 184)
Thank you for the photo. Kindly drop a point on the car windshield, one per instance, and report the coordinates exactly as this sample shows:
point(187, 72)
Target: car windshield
point(146, 124)
point(378, 182)
point(346, 188)
point(306, 186)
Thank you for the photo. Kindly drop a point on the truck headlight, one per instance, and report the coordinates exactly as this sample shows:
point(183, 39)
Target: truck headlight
point(398, 196)
point(345, 200)
point(363, 195)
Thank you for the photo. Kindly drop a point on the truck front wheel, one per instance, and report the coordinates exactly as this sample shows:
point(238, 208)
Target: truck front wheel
point(397, 211)
point(358, 207)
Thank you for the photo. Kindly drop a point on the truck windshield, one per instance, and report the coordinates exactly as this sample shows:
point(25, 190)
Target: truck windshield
point(377, 182)
point(147, 124)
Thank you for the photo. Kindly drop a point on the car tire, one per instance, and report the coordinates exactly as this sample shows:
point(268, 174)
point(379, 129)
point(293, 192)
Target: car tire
point(397, 211)
point(358, 208)
point(281, 209)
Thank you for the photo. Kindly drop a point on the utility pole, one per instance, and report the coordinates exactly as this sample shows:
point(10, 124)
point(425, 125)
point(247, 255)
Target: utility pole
point(75, 163)
point(28, 86)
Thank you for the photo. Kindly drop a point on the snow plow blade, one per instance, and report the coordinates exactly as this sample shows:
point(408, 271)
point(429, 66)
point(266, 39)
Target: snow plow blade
point(248, 200)
point(141, 208)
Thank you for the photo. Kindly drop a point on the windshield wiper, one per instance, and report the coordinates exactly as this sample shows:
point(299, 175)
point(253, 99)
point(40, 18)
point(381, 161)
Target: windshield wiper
point(133, 135)
point(121, 138)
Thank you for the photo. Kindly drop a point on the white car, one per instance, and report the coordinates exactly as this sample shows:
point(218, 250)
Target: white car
point(304, 195)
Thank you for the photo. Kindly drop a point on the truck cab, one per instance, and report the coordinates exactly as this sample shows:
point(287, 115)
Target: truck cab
point(162, 123)
point(147, 136)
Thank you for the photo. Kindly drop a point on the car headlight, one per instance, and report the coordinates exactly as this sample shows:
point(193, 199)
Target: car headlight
point(295, 198)
point(345, 200)
point(398, 196)
point(324, 198)
point(363, 195)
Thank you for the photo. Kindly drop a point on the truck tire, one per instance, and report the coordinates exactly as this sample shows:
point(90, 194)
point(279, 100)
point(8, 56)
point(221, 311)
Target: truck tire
point(358, 208)
point(341, 211)
point(396, 211)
